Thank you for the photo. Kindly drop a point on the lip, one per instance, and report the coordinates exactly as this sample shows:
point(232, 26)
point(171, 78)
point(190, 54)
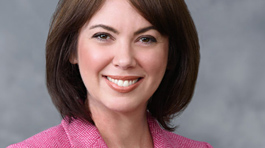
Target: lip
point(123, 89)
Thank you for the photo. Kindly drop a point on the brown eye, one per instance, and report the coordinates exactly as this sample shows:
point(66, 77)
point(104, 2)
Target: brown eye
point(102, 36)
point(147, 39)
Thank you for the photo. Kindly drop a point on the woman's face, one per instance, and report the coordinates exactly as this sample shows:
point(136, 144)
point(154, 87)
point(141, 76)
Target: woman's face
point(122, 58)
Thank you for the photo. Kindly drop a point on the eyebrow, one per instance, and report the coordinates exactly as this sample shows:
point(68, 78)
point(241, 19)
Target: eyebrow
point(142, 30)
point(105, 27)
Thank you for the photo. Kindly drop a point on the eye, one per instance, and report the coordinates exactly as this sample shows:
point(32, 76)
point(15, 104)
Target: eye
point(102, 36)
point(147, 39)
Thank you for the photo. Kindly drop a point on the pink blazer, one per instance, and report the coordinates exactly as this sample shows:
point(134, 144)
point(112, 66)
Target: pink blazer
point(79, 134)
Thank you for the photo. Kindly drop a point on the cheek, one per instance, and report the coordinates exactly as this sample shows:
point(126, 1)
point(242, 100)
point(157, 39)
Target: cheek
point(155, 62)
point(91, 59)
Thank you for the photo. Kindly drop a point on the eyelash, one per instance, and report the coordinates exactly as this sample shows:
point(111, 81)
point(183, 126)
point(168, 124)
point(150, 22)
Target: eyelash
point(106, 36)
point(100, 36)
point(149, 39)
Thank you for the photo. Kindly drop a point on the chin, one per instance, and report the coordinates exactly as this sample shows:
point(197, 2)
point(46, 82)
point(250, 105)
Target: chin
point(125, 106)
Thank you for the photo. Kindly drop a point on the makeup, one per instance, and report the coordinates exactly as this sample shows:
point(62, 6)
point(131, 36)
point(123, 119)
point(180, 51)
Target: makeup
point(123, 84)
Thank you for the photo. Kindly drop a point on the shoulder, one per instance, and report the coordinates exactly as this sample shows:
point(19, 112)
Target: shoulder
point(183, 142)
point(70, 133)
point(52, 137)
point(163, 138)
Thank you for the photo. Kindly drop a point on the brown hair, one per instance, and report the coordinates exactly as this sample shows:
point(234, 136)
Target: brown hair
point(170, 17)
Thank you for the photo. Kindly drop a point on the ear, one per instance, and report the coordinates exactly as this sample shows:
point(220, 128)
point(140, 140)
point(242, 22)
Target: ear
point(73, 59)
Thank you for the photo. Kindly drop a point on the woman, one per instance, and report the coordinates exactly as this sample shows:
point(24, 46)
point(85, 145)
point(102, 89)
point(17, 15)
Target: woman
point(117, 67)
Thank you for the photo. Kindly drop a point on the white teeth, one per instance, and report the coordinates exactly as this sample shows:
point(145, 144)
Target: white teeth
point(125, 84)
point(122, 83)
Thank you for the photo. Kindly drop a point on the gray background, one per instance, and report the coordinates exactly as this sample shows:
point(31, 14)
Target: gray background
point(228, 106)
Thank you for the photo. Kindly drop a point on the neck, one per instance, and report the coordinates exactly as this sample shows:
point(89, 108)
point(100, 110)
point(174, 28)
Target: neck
point(123, 129)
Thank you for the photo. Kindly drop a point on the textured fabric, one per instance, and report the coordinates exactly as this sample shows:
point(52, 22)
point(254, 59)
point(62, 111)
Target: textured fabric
point(80, 134)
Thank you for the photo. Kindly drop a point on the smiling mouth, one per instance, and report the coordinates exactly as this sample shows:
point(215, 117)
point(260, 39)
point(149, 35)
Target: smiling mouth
point(123, 84)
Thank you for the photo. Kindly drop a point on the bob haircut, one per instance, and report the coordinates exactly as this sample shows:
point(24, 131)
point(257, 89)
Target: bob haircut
point(170, 17)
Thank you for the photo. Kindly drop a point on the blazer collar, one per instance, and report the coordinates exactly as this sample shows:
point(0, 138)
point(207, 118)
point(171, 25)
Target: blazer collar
point(81, 134)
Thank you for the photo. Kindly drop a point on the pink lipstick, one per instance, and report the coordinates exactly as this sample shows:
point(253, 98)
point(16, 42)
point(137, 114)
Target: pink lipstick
point(123, 84)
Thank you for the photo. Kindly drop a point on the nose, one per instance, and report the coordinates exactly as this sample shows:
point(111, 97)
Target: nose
point(124, 57)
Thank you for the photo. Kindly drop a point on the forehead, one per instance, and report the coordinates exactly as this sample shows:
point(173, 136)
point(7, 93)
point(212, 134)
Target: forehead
point(118, 13)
